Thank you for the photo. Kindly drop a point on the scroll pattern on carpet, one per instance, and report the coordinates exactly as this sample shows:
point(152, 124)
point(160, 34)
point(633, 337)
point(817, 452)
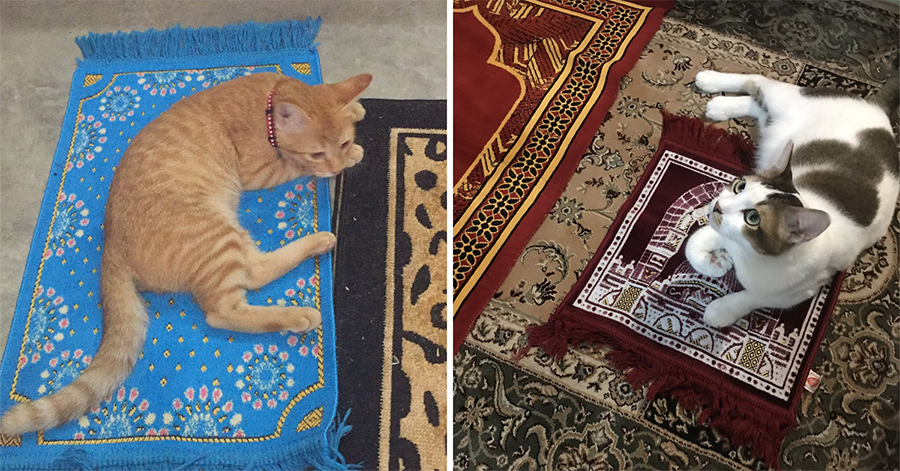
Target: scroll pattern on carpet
point(848, 422)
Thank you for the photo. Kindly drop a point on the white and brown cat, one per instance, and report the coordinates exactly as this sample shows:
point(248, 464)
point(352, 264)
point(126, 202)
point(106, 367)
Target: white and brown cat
point(171, 219)
point(823, 189)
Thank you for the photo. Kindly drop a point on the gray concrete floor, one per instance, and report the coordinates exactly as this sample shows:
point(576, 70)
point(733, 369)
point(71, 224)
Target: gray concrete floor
point(401, 43)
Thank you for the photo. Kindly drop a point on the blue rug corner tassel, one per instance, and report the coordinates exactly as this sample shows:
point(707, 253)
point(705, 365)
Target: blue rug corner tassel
point(331, 458)
point(177, 41)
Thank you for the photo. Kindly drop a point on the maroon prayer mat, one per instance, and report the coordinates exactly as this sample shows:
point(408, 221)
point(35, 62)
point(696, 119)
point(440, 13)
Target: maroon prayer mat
point(640, 295)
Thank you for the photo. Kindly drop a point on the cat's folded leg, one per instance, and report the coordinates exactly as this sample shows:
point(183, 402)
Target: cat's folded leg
point(723, 108)
point(771, 97)
point(236, 315)
point(225, 276)
point(710, 81)
point(265, 267)
point(728, 309)
point(706, 253)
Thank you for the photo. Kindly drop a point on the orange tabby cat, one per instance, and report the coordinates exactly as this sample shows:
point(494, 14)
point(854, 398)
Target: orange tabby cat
point(171, 219)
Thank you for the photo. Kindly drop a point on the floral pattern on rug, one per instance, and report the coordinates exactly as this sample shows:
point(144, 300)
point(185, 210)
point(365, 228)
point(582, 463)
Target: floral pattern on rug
point(851, 38)
point(189, 381)
point(544, 413)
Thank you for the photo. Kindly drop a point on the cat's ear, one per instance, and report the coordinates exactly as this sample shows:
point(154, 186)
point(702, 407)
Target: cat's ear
point(782, 167)
point(289, 118)
point(804, 224)
point(779, 175)
point(783, 164)
point(350, 89)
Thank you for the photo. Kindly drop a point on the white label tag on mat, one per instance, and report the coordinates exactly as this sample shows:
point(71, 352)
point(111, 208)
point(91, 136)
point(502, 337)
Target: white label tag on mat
point(812, 381)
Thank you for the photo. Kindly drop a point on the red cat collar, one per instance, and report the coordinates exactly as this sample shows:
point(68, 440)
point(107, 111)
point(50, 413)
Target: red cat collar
point(271, 122)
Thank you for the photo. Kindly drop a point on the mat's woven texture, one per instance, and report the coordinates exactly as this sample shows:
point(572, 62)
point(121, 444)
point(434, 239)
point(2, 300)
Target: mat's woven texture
point(390, 288)
point(553, 407)
point(198, 397)
point(566, 57)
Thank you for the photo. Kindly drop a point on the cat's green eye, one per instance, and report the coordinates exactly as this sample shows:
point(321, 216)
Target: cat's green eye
point(738, 186)
point(751, 217)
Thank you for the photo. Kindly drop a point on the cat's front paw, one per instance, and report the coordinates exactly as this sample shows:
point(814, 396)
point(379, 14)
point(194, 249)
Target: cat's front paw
point(356, 110)
point(721, 313)
point(705, 255)
point(355, 156)
point(714, 264)
point(708, 81)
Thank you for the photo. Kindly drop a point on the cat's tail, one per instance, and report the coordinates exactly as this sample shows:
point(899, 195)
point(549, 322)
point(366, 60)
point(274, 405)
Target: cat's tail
point(124, 329)
point(888, 98)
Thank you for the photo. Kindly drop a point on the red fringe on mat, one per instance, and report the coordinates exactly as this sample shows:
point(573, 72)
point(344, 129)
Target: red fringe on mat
point(764, 430)
point(694, 134)
point(726, 411)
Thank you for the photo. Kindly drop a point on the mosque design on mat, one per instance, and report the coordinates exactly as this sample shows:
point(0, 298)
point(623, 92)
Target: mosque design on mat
point(668, 307)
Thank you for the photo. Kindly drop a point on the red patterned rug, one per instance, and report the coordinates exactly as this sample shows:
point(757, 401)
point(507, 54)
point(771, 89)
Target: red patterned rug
point(533, 80)
point(640, 296)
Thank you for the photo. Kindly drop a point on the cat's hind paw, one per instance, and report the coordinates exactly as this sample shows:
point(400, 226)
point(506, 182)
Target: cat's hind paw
point(709, 81)
point(722, 108)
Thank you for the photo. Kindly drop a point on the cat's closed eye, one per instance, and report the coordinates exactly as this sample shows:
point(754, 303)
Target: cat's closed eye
point(317, 155)
point(345, 145)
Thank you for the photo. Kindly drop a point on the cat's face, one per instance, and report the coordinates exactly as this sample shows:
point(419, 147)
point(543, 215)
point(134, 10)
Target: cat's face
point(763, 212)
point(316, 127)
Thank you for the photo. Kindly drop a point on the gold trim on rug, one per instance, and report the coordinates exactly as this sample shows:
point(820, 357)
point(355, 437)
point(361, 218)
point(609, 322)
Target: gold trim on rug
point(10, 440)
point(91, 79)
point(312, 420)
point(492, 60)
point(535, 191)
point(302, 68)
point(459, 225)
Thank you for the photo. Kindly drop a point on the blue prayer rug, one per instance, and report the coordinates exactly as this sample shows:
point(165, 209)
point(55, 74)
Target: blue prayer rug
point(198, 397)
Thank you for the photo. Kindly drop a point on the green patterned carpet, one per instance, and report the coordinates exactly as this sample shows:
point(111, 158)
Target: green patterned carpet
point(580, 413)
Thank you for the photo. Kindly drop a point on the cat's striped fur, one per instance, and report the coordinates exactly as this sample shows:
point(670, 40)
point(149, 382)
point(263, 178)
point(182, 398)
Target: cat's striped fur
point(171, 220)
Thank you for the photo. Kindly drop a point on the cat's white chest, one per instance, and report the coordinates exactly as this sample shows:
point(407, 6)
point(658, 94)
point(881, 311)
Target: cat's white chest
point(758, 276)
point(784, 275)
